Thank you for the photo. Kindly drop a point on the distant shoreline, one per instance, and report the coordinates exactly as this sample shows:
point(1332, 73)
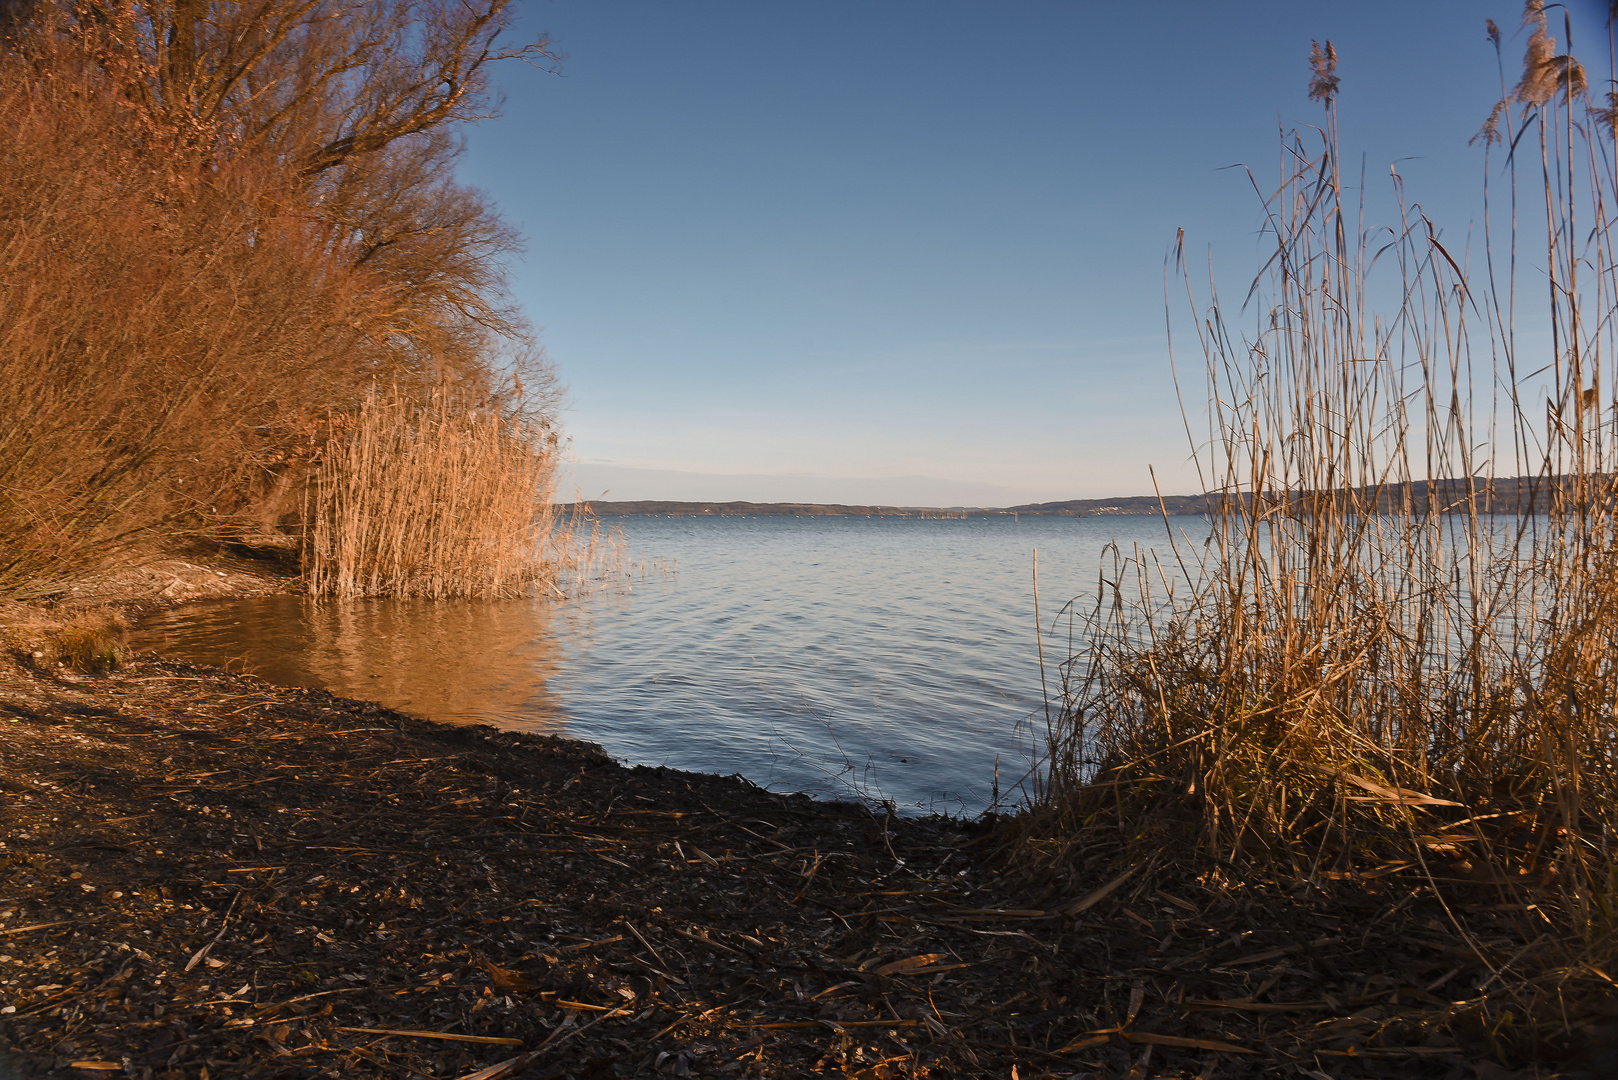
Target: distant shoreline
point(1507, 494)
point(1175, 505)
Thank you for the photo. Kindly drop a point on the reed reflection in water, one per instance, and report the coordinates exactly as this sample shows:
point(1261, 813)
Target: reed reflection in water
point(459, 661)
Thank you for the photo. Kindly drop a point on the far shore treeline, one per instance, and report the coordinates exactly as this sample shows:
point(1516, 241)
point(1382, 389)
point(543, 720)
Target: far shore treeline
point(1511, 495)
point(236, 266)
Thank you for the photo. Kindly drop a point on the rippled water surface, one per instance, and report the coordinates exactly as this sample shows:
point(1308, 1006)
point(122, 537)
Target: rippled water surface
point(894, 657)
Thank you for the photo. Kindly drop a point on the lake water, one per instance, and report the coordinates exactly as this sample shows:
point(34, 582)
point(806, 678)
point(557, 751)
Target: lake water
point(892, 658)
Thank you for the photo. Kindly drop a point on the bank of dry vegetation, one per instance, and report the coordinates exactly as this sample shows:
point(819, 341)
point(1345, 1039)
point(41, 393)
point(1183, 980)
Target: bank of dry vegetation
point(1375, 671)
point(223, 229)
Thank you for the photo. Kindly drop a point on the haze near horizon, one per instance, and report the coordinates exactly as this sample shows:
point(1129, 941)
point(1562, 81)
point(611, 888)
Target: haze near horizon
point(915, 254)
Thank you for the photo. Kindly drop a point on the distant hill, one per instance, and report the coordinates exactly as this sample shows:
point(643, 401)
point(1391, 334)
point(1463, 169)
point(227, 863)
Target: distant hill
point(655, 508)
point(1073, 508)
point(1175, 505)
point(1503, 495)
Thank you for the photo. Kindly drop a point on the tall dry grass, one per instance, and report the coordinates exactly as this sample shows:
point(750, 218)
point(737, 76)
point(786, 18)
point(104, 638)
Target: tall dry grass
point(1385, 655)
point(443, 498)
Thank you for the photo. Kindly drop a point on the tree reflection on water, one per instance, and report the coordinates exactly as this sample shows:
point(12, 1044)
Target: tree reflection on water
point(458, 661)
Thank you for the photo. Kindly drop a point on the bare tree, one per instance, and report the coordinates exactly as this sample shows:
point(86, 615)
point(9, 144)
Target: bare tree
point(277, 226)
point(317, 80)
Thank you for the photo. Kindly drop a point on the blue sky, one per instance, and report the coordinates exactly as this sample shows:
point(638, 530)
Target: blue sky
point(914, 252)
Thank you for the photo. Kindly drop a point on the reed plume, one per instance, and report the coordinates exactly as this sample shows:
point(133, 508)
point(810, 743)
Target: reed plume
point(1323, 62)
point(1546, 73)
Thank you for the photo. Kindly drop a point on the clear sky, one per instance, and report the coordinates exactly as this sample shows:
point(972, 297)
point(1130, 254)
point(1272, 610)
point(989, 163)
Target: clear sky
point(913, 251)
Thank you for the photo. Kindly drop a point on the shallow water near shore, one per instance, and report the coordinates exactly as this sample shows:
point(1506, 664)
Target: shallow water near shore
point(891, 658)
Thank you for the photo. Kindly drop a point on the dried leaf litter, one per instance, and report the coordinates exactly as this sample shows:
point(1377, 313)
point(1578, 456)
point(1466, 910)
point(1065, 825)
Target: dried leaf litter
point(205, 875)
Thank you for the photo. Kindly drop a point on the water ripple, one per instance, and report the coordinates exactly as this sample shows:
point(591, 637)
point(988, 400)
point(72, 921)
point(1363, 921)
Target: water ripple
point(893, 657)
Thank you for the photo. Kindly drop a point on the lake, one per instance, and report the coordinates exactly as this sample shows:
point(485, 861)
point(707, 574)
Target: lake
point(886, 658)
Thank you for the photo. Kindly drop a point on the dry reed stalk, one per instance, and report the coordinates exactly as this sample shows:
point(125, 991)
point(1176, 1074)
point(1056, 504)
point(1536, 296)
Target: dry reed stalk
point(443, 499)
point(1385, 653)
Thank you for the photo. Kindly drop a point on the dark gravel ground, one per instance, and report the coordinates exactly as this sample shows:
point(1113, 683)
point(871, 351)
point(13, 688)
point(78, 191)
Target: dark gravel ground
point(204, 875)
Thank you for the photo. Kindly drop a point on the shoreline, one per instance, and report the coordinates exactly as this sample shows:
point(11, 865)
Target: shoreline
point(1173, 505)
point(354, 868)
point(207, 870)
point(1514, 492)
point(204, 870)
